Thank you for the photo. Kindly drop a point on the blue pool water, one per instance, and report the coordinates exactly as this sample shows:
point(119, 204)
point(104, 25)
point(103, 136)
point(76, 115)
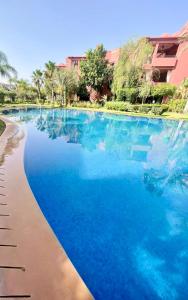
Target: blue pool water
point(115, 191)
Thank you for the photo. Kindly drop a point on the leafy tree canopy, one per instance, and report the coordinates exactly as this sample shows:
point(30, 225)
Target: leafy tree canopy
point(95, 71)
point(66, 83)
point(6, 70)
point(129, 70)
point(38, 81)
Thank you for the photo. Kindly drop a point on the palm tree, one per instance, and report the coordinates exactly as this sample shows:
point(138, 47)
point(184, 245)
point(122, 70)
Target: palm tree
point(22, 89)
point(49, 77)
point(37, 79)
point(67, 83)
point(5, 69)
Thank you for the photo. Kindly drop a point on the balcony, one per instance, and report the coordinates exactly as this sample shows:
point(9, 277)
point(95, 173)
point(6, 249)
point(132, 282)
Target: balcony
point(164, 62)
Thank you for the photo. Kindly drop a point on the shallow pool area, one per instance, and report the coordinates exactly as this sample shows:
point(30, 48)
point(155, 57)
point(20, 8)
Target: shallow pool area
point(114, 189)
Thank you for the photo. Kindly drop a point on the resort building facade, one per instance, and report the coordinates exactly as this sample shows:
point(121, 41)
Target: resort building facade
point(170, 57)
point(73, 62)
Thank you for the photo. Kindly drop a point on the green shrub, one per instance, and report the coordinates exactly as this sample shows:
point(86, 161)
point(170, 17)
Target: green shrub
point(144, 109)
point(156, 109)
point(145, 91)
point(163, 89)
point(177, 105)
point(127, 94)
point(86, 104)
point(134, 108)
point(117, 105)
point(159, 110)
point(2, 95)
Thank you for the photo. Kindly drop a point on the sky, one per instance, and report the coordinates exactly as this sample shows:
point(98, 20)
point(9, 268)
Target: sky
point(33, 32)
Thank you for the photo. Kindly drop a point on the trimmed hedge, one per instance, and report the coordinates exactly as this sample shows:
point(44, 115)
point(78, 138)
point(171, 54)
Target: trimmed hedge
point(155, 109)
point(86, 104)
point(177, 105)
point(158, 91)
point(117, 105)
point(163, 89)
point(159, 110)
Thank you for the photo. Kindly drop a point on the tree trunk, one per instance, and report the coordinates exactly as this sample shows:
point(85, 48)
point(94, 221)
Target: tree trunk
point(65, 97)
point(53, 95)
point(38, 92)
point(186, 108)
point(94, 95)
point(143, 100)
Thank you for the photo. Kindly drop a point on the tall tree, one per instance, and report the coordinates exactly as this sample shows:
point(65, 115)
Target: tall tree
point(6, 70)
point(95, 71)
point(22, 89)
point(49, 72)
point(129, 70)
point(37, 79)
point(67, 83)
point(182, 92)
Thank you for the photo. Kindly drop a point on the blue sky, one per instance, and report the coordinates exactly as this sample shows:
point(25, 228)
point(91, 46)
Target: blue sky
point(35, 31)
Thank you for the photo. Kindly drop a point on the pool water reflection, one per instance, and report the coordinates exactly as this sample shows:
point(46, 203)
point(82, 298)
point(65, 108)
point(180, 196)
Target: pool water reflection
point(115, 191)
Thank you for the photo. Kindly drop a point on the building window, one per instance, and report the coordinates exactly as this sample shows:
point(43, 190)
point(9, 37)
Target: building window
point(167, 50)
point(75, 63)
point(159, 75)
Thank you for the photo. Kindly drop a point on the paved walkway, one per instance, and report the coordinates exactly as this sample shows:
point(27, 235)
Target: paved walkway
point(32, 262)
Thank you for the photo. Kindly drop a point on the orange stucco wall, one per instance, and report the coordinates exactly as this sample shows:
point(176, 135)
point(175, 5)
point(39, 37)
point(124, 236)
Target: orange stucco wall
point(181, 70)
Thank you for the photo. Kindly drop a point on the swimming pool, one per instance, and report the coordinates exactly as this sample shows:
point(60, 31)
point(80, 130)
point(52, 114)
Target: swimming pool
point(115, 191)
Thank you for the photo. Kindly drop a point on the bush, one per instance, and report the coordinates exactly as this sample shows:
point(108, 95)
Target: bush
point(117, 105)
point(156, 109)
point(134, 108)
point(177, 105)
point(2, 95)
point(82, 92)
point(127, 94)
point(145, 91)
point(144, 109)
point(86, 104)
point(159, 110)
point(164, 89)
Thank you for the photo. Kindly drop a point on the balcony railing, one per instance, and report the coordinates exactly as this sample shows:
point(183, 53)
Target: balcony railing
point(166, 61)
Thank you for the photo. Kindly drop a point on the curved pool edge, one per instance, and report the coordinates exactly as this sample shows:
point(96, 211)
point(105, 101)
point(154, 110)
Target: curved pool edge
point(43, 270)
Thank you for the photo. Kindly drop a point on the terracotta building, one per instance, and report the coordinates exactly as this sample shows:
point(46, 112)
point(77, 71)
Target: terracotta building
point(170, 57)
point(73, 62)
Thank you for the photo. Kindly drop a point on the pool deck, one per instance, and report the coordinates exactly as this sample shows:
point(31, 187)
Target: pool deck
point(33, 264)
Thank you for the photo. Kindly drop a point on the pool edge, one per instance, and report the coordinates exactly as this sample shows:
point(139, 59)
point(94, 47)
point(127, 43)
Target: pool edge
point(43, 269)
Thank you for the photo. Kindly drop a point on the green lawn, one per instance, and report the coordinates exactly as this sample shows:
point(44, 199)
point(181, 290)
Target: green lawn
point(2, 126)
